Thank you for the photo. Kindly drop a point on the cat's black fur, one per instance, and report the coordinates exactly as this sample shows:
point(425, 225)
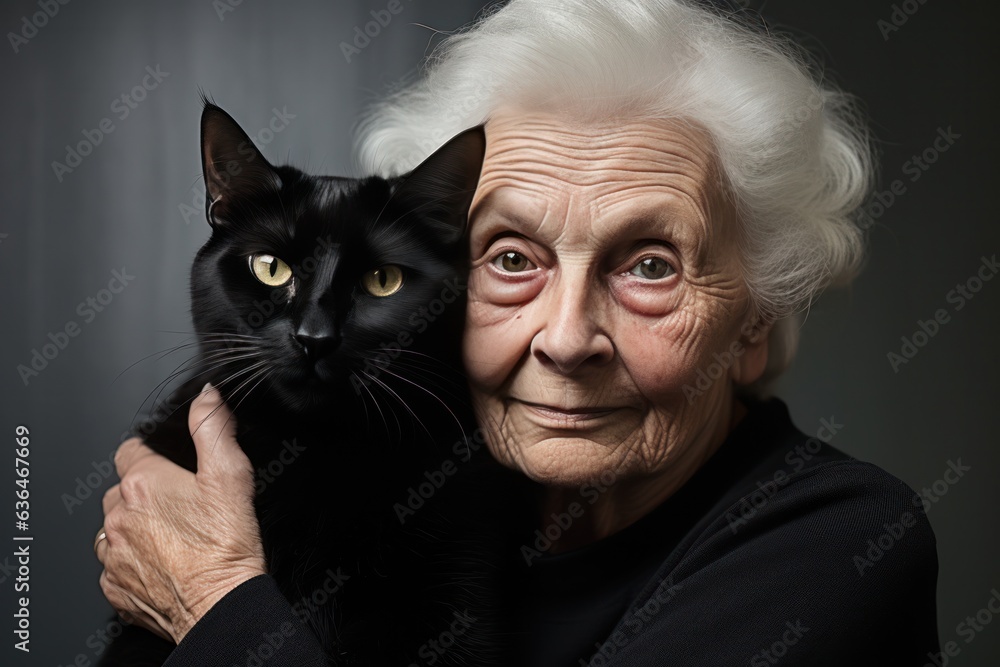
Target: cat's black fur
point(363, 394)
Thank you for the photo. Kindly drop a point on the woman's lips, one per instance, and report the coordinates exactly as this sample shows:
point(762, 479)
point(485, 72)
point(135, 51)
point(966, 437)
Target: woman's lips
point(567, 416)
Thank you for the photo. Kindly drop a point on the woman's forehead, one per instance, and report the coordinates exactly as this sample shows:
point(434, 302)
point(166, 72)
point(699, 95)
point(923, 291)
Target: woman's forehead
point(631, 146)
point(543, 165)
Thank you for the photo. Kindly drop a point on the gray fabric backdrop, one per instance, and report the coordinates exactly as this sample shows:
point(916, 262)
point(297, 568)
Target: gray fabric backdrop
point(131, 206)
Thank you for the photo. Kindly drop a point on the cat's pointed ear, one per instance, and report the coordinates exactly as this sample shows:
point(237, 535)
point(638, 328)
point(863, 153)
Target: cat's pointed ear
point(440, 189)
point(232, 165)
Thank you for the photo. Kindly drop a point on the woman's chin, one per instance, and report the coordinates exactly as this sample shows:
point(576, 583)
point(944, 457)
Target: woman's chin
point(565, 461)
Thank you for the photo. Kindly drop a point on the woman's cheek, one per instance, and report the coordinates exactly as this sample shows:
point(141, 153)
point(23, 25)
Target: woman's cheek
point(497, 332)
point(661, 355)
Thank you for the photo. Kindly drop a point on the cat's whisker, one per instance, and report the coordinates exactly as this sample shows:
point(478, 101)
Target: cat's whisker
point(231, 394)
point(375, 401)
point(406, 351)
point(364, 403)
point(180, 369)
point(173, 374)
point(433, 395)
point(174, 411)
point(403, 403)
point(455, 379)
point(228, 343)
point(183, 368)
point(208, 335)
point(182, 404)
point(457, 382)
point(262, 374)
point(229, 355)
point(162, 353)
point(243, 371)
point(421, 360)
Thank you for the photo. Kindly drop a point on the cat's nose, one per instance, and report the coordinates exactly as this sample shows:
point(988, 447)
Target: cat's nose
point(316, 345)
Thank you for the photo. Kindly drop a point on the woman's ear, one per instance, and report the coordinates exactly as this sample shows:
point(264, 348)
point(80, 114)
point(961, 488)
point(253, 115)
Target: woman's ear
point(752, 361)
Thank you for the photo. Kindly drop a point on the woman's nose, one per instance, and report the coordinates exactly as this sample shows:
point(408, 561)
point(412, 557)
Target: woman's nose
point(572, 338)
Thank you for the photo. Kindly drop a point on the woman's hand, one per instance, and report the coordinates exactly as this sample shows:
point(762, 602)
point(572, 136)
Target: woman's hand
point(177, 541)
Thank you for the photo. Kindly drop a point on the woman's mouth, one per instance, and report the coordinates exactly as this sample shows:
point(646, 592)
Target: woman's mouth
point(567, 417)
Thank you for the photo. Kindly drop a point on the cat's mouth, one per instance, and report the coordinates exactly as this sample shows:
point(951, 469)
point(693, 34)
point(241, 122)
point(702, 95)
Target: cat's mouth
point(321, 371)
point(306, 387)
point(313, 375)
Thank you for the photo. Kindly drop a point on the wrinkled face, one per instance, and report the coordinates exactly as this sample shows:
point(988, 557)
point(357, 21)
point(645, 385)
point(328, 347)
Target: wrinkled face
point(605, 276)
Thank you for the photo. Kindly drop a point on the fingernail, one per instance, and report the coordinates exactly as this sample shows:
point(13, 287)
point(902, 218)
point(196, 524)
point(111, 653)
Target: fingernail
point(207, 388)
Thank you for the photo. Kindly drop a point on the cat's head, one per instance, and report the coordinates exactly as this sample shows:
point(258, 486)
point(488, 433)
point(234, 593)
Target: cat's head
point(314, 289)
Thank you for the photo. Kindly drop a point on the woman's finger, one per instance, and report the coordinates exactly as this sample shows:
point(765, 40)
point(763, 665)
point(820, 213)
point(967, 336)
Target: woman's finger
point(111, 498)
point(128, 610)
point(213, 429)
point(129, 453)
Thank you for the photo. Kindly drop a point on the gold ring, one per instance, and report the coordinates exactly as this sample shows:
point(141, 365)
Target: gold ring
point(102, 535)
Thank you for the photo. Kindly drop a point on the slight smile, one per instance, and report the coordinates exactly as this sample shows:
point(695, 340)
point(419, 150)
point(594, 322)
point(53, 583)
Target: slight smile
point(566, 417)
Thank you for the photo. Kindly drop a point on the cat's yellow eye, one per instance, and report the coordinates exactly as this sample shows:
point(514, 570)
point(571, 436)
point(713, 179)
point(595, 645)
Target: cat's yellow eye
point(270, 270)
point(383, 281)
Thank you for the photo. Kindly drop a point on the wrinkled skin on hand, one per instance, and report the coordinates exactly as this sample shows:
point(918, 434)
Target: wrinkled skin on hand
point(178, 542)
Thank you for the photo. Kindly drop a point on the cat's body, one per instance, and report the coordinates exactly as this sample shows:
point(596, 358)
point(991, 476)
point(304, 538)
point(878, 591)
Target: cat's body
point(377, 504)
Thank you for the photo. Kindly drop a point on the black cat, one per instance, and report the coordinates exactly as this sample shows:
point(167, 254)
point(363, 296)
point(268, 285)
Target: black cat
point(329, 314)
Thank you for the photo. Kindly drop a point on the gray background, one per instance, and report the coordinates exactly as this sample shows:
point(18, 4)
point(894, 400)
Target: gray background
point(122, 207)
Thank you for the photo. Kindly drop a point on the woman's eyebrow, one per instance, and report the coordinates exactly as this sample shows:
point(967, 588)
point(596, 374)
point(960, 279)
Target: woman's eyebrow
point(490, 218)
point(676, 225)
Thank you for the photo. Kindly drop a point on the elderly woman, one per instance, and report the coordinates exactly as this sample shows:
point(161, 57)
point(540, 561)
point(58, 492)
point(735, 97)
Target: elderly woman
point(665, 188)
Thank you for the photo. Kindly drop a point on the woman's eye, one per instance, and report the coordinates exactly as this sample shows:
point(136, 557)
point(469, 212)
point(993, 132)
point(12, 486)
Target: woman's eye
point(652, 268)
point(270, 270)
point(513, 262)
point(383, 281)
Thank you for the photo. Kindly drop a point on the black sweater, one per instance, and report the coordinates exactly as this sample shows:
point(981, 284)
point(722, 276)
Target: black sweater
point(781, 548)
